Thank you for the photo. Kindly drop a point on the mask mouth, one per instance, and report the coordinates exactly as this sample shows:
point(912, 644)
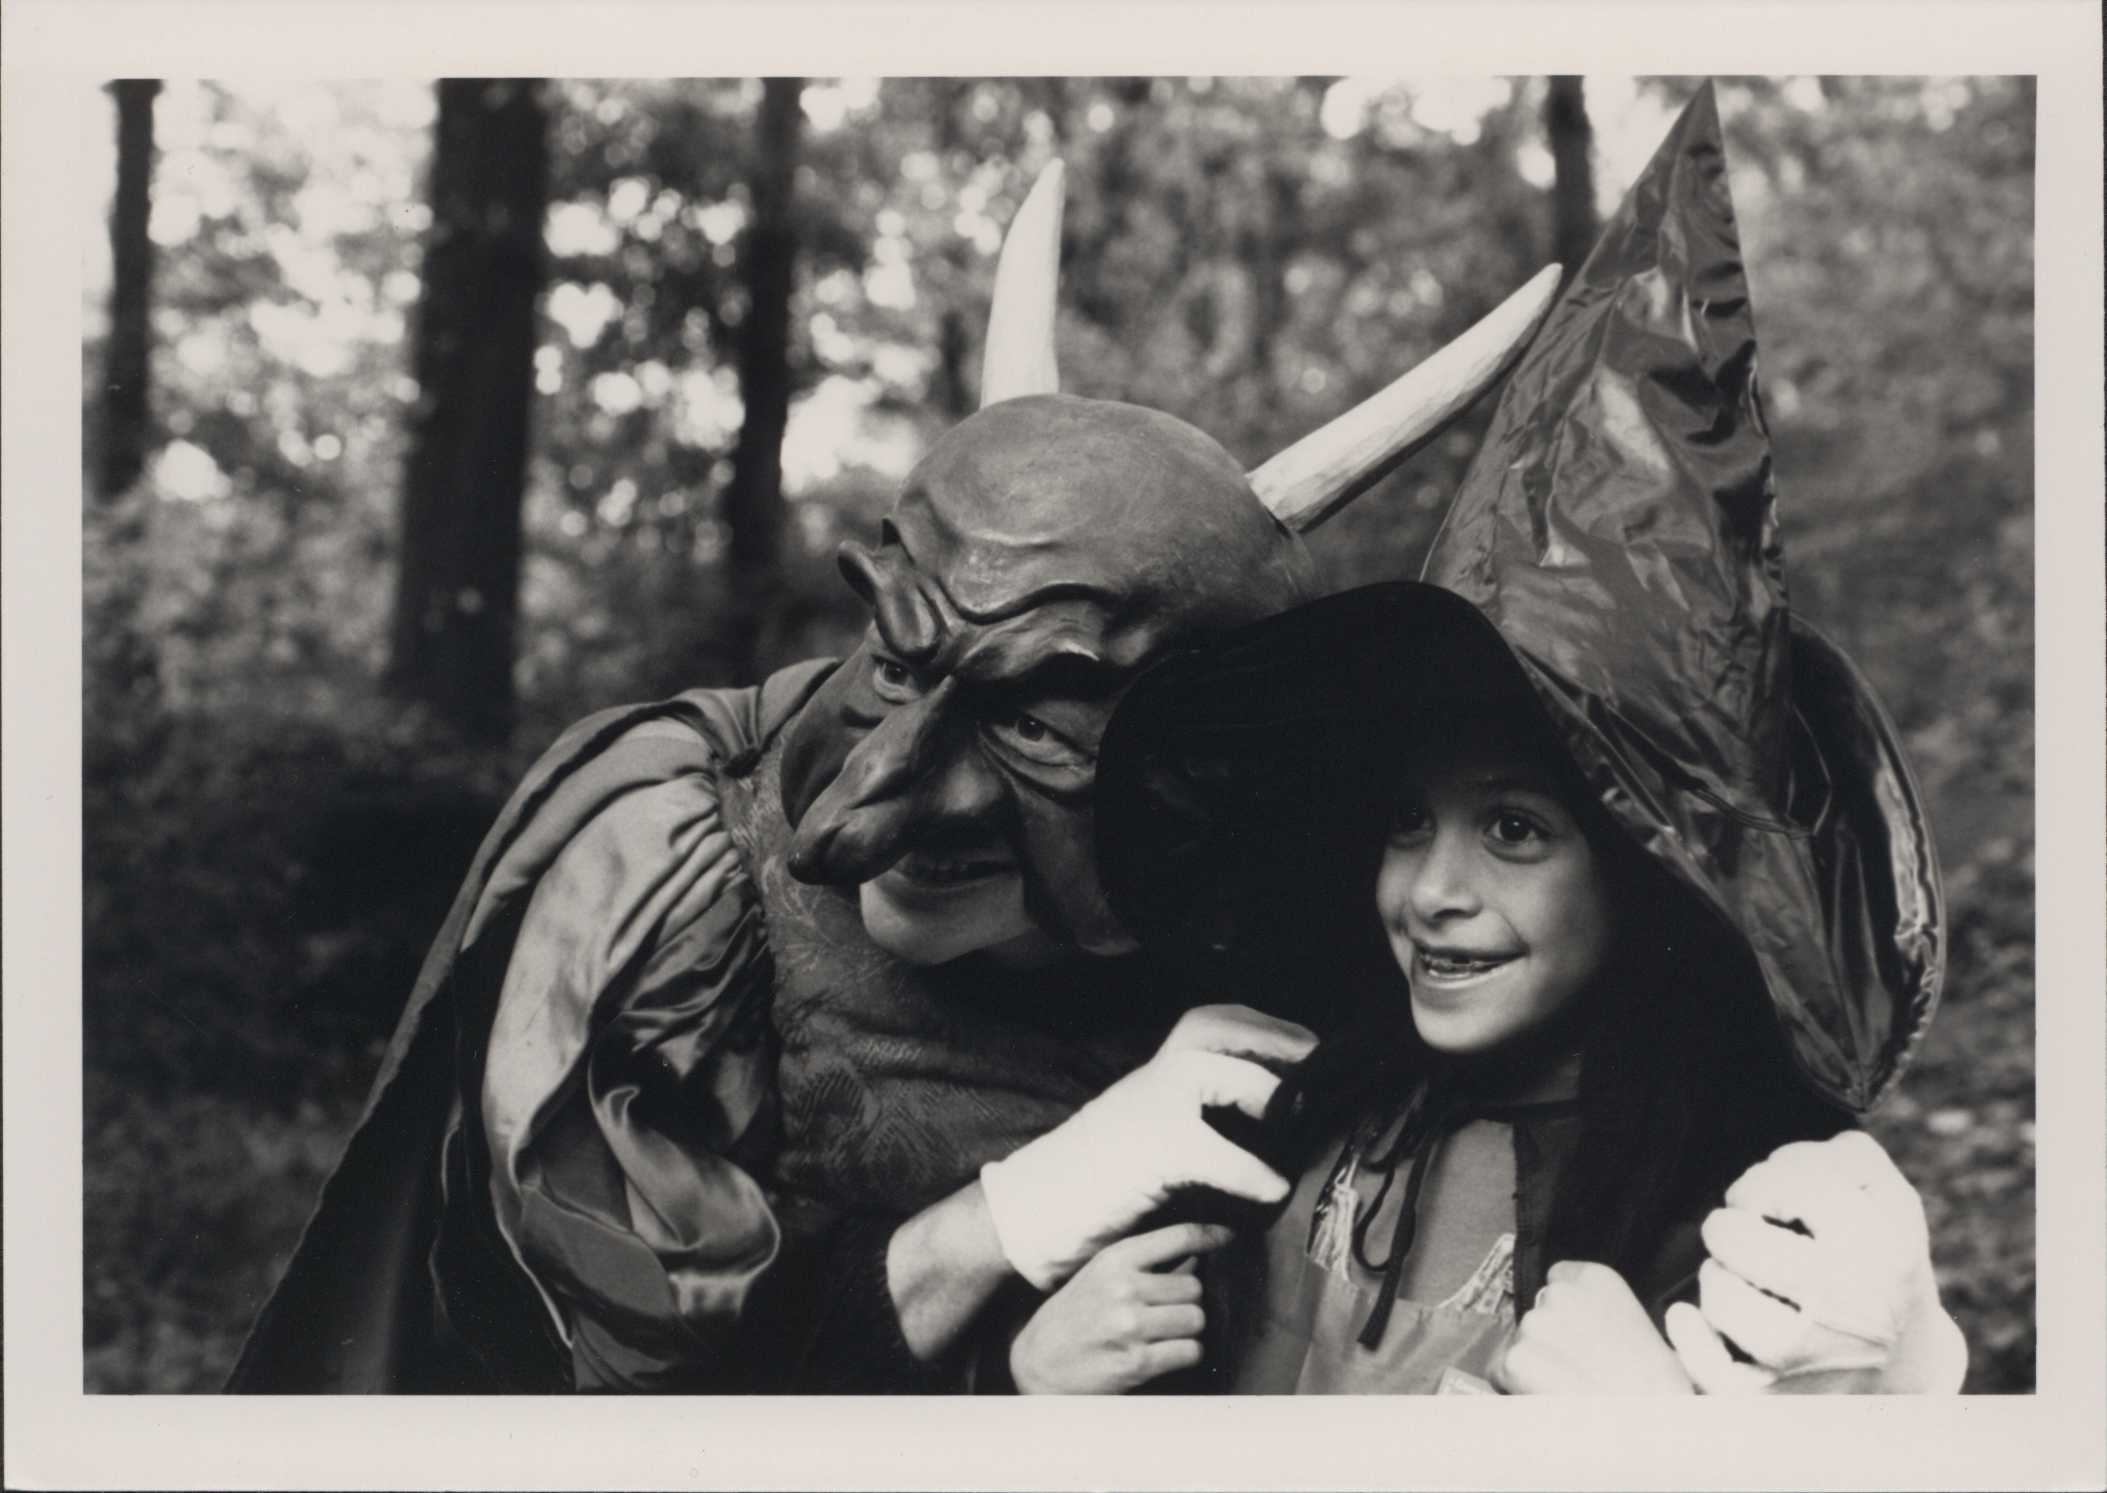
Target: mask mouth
point(940, 869)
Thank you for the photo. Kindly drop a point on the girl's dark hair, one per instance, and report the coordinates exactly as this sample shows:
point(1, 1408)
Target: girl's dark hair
point(1685, 1080)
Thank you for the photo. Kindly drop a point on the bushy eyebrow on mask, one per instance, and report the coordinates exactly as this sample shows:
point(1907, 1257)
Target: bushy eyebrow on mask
point(1068, 697)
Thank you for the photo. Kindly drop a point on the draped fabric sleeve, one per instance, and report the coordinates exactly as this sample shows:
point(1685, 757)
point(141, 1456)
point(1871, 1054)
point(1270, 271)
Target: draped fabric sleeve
point(629, 1075)
point(629, 1111)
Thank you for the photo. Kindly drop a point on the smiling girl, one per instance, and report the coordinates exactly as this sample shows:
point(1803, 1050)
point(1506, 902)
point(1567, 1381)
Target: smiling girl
point(1606, 874)
point(1557, 1060)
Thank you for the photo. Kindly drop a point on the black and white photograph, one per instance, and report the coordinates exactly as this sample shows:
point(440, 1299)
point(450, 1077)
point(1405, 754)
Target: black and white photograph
point(788, 751)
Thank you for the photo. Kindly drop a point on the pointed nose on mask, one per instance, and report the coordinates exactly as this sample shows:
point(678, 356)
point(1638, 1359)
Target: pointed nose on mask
point(890, 787)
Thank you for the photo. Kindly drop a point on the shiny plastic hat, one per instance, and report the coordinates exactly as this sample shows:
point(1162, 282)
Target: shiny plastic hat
point(1619, 528)
point(1617, 536)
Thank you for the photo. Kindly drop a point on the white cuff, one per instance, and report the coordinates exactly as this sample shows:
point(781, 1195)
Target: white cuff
point(1014, 1217)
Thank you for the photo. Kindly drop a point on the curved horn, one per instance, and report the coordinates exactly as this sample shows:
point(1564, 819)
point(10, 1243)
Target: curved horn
point(1327, 469)
point(1020, 348)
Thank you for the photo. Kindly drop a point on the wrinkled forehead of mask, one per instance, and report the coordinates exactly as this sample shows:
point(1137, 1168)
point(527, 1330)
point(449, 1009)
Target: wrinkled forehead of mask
point(1121, 513)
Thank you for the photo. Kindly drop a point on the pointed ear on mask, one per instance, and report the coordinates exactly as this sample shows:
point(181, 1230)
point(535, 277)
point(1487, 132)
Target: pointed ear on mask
point(897, 604)
point(840, 710)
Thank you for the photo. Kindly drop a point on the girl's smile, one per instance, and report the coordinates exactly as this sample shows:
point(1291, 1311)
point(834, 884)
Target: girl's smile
point(1451, 968)
point(1496, 905)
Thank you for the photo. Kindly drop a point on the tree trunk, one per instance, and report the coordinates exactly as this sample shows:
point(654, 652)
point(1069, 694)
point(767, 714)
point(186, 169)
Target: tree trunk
point(125, 356)
point(953, 340)
point(458, 591)
point(753, 501)
point(1573, 225)
point(953, 347)
point(1266, 249)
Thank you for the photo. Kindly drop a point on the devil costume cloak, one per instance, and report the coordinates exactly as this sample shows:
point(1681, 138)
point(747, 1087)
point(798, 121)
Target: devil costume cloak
point(1608, 584)
point(717, 1099)
point(657, 1106)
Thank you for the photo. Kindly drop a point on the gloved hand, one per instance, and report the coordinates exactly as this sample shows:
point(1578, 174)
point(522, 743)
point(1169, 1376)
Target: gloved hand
point(1058, 1200)
point(1588, 1334)
point(1860, 1311)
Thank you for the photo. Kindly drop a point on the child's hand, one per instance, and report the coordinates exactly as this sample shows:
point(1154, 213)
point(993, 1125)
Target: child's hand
point(1132, 1313)
point(1588, 1334)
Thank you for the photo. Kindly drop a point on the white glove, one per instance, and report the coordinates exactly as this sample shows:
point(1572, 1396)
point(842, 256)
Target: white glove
point(1860, 1309)
point(1587, 1333)
point(1060, 1199)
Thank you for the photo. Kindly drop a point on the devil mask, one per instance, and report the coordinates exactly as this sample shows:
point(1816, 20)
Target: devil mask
point(1045, 551)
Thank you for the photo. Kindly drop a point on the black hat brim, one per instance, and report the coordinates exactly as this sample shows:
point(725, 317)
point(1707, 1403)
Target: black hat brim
point(1242, 788)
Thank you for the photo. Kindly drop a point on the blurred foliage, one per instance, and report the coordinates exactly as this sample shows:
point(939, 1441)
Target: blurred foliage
point(269, 843)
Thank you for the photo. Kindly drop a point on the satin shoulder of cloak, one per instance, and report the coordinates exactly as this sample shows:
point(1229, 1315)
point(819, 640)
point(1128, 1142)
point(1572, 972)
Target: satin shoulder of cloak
point(359, 1256)
point(601, 757)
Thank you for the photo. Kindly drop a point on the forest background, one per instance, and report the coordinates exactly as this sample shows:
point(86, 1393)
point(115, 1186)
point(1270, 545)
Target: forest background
point(424, 418)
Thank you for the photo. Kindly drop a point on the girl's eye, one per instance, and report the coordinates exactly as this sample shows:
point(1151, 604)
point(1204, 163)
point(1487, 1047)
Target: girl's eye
point(1516, 829)
point(1035, 741)
point(1408, 820)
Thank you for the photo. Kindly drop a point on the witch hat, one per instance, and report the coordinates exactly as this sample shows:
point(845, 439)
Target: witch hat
point(1616, 538)
point(1619, 526)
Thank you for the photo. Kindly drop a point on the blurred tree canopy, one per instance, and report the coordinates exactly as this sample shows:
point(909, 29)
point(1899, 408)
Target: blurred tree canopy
point(270, 838)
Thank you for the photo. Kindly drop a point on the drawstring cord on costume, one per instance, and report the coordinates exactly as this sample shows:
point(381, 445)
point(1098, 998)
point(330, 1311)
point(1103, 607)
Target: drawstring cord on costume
point(1448, 1098)
point(1425, 1125)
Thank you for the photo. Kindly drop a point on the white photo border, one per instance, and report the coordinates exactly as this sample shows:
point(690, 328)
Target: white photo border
point(57, 1436)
